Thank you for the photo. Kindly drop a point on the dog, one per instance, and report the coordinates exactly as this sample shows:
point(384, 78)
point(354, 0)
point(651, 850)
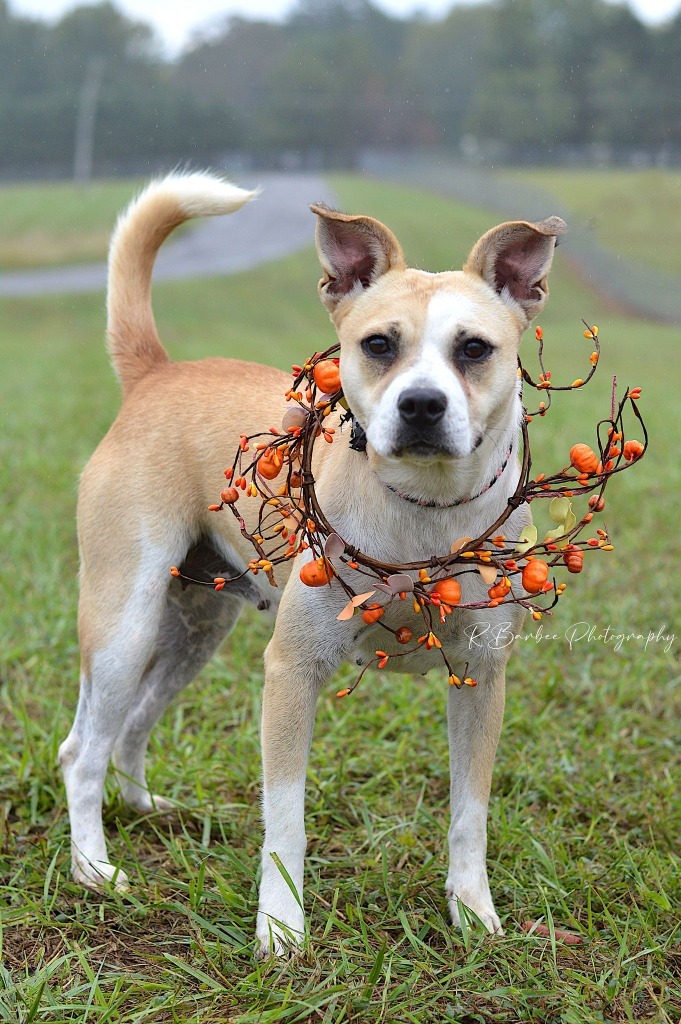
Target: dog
point(429, 370)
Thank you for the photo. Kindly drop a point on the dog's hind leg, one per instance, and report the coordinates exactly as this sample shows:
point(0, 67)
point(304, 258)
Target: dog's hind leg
point(117, 632)
point(194, 622)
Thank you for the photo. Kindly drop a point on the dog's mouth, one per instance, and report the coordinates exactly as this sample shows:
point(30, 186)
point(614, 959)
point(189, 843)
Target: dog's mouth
point(424, 451)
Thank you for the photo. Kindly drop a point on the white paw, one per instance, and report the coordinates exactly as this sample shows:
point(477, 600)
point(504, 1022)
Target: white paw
point(274, 938)
point(480, 904)
point(149, 803)
point(99, 875)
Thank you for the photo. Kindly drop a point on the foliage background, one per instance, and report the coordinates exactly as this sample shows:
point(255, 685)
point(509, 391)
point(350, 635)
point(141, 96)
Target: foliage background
point(501, 80)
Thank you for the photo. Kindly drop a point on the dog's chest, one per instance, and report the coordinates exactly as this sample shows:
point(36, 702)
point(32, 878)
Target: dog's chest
point(469, 637)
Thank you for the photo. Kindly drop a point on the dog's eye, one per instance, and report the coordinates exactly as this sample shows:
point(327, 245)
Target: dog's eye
point(377, 345)
point(475, 348)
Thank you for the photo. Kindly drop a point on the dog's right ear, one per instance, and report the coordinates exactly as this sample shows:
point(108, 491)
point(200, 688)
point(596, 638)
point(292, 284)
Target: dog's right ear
point(354, 252)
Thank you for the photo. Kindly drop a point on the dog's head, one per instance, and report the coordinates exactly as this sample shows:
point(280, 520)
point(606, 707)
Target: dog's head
point(429, 361)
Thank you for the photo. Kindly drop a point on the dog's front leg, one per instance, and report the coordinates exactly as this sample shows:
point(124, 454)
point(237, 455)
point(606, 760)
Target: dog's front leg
point(475, 716)
point(292, 683)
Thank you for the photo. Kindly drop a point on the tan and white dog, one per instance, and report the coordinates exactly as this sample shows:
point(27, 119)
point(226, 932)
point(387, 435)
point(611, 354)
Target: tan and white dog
point(428, 364)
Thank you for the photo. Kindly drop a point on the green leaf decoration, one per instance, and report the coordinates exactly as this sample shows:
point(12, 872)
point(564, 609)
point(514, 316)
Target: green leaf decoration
point(559, 509)
point(527, 540)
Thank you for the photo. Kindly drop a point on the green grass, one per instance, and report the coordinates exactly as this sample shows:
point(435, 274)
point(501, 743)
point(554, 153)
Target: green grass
point(584, 814)
point(635, 214)
point(53, 223)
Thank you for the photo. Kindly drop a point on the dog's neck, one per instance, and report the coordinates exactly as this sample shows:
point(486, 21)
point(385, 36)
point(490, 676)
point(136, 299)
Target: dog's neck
point(431, 503)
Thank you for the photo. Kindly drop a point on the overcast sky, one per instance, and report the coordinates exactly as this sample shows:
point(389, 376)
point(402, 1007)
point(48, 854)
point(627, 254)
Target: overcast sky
point(175, 20)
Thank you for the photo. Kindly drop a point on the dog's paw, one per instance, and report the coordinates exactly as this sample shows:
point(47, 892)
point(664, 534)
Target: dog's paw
point(150, 803)
point(99, 875)
point(479, 903)
point(274, 938)
point(487, 915)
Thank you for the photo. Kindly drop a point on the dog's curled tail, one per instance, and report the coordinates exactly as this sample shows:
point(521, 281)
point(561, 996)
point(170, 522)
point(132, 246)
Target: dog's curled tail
point(132, 339)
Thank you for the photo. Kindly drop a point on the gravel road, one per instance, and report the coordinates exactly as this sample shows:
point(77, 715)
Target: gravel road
point(274, 225)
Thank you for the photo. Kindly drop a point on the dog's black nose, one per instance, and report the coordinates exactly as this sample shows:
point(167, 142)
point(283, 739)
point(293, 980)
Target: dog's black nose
point(422, 406)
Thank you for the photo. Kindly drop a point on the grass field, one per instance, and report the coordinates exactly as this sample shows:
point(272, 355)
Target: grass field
point(635, 214)
point(53, 223)
point(584, 815)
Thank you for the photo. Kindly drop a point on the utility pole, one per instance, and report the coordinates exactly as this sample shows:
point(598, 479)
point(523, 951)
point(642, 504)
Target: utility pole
point(85, 124)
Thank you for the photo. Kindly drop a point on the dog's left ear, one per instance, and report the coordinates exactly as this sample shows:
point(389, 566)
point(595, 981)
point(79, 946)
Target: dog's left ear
point(515, 259)
point(353, 251)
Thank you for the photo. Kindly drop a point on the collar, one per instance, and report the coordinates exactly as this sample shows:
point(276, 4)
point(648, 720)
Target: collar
point(358, 443)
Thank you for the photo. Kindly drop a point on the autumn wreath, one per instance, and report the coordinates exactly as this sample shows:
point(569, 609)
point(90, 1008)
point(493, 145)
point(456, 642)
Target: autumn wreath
point(276, 468)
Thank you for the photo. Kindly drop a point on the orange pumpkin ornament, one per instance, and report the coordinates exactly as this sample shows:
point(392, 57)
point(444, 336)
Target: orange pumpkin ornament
point(327, 376)
point(373, 613)
point(632, 450)
point(584, 459)
point(535, 575)
point(573, 558)
point(317, 573)
point(500, 590)
point(448, 591)
point(270, 463)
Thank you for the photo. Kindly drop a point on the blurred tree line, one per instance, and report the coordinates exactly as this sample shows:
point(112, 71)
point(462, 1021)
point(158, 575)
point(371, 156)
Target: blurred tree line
point(512, 77)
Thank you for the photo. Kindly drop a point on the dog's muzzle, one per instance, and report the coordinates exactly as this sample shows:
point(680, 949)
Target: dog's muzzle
point(421, 410)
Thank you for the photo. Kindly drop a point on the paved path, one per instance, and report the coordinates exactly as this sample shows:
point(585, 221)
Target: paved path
point(274, 225)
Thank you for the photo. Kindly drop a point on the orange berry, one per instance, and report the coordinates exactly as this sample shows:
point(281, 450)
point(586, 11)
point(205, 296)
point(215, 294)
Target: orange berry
point(229, 495)
point(403, 635)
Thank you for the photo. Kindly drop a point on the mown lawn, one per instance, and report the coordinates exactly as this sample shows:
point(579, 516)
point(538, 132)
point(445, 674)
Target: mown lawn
point(584, 816)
